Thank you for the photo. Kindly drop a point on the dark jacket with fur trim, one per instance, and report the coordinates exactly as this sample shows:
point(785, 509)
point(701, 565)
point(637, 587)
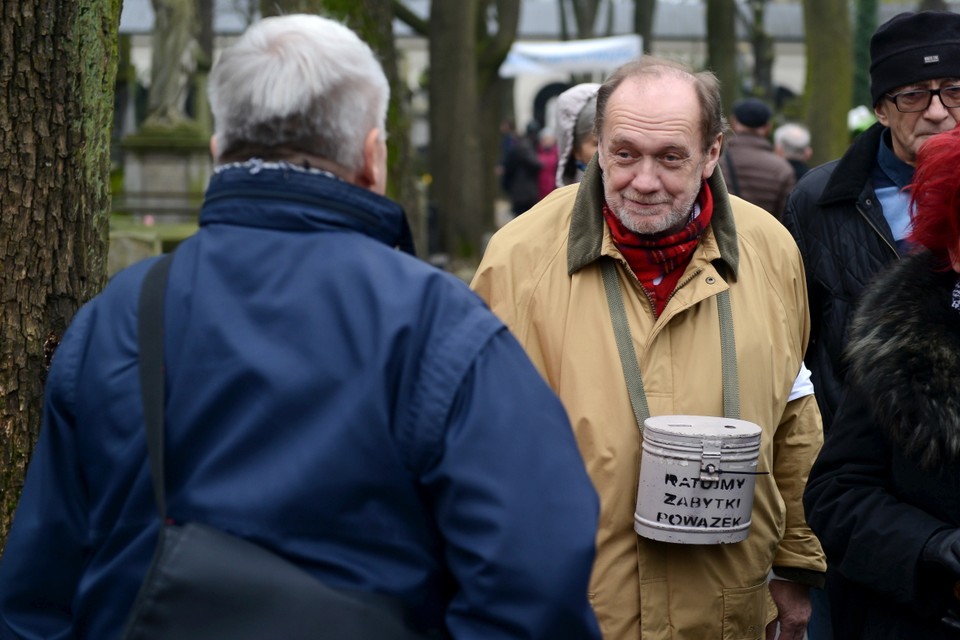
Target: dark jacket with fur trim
point(888, 476)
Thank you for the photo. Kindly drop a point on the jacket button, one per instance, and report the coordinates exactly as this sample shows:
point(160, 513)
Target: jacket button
point(711, 279)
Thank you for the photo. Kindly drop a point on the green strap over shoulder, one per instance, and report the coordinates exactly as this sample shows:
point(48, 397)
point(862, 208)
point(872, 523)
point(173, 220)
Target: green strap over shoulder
point(628, 357)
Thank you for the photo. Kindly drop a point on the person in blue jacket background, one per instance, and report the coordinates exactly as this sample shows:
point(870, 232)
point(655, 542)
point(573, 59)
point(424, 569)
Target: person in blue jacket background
point(329, 396)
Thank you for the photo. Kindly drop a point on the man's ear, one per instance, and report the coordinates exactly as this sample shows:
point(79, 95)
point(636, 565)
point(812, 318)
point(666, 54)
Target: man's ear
point(880, 111)
point(712, 157)
point(373, 170)
point(213, 147)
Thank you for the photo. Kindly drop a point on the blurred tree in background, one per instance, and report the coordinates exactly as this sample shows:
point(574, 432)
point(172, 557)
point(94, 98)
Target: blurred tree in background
point(829, 84)
point(722, 48)
point(468, 41)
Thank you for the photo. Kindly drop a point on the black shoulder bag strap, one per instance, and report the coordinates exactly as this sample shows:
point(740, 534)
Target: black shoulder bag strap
point(205, 584)
point(150, 339)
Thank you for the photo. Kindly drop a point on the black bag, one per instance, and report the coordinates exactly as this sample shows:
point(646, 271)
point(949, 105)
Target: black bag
point(206, 584)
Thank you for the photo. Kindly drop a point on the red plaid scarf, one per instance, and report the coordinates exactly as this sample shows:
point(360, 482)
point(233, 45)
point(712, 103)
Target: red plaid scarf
point(659, 262)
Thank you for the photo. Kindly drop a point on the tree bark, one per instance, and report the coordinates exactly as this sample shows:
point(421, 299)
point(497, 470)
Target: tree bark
point(585, 13)
point(643, 14)
point(468, 41)
point(495, 92)
point(829, 83)
point(455, 153)
point(58, 60)
point(762, 45)
point(564, 27)
point(722, 48)
point(866, 24)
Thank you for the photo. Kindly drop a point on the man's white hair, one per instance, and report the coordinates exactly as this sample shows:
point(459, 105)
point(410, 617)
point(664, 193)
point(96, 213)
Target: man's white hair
point(298, 83)
point(793, 139)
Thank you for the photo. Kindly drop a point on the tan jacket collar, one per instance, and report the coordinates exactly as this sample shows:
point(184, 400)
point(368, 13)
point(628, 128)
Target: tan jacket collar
point(587, 228)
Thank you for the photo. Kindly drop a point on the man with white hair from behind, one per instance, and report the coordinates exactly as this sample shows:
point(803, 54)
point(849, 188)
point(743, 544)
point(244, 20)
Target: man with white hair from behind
point(329, 396)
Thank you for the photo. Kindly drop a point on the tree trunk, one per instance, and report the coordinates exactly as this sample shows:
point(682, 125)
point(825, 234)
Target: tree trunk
point(762, 44)
point(585, 17)
point(722, 48)
point(829, 85)
point(494, 92)
point(468, 42)
point(372, 20)
point(865, 26)
point(585, 13)
point(456, 160)
point(564, 29)
point(59, 61)
point(643, 13)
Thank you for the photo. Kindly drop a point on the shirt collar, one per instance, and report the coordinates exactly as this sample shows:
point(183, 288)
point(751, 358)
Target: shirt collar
point(895, 169)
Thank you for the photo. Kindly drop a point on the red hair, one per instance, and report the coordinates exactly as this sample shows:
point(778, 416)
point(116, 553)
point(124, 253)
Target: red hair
point(935, 195)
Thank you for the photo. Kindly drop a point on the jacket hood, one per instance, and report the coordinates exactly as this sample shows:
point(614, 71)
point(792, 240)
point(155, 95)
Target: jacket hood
point(307, 199)
point(904, 353)
point(569, 105)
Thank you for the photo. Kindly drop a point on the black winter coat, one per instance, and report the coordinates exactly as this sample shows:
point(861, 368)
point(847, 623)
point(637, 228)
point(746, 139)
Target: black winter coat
point(521, 171)
point(836, 219)
point(888, 475)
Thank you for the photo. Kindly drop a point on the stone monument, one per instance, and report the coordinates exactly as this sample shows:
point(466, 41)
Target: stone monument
point(166, 164)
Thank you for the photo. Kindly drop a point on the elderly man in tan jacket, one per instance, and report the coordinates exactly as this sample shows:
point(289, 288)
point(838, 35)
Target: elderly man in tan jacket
point(653, 215)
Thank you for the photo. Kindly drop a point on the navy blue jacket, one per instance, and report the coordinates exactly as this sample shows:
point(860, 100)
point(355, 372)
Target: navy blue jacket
point(329, 397)
point(836, 218)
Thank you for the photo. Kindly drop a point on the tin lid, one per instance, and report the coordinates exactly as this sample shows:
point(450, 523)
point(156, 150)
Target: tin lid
point(701, 427)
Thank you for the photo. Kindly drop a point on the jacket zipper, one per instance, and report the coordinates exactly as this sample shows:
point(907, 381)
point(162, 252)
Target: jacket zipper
point(682, 284)
point(646, 294)
point(875, 230)
point(653, 304)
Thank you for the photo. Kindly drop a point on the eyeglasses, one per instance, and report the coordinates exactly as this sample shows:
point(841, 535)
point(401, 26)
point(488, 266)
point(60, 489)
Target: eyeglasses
point(914, 100)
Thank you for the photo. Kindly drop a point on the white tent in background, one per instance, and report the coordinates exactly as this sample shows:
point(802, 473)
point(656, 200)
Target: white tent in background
point(570, 56)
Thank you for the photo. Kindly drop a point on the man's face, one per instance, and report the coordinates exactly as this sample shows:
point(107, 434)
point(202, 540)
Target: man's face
point(909, 130)
point(651, 153)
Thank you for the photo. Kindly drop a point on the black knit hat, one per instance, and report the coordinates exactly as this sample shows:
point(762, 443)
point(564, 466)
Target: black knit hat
point(913, 47)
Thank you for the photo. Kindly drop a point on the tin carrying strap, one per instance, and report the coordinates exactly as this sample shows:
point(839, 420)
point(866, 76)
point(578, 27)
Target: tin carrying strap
point(628, 357)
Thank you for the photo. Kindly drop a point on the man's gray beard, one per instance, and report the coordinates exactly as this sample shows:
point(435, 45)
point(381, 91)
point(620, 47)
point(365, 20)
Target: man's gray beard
point(673, 223)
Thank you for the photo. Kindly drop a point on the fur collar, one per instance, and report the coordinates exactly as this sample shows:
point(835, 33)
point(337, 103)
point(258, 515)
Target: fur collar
point(904, 353)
